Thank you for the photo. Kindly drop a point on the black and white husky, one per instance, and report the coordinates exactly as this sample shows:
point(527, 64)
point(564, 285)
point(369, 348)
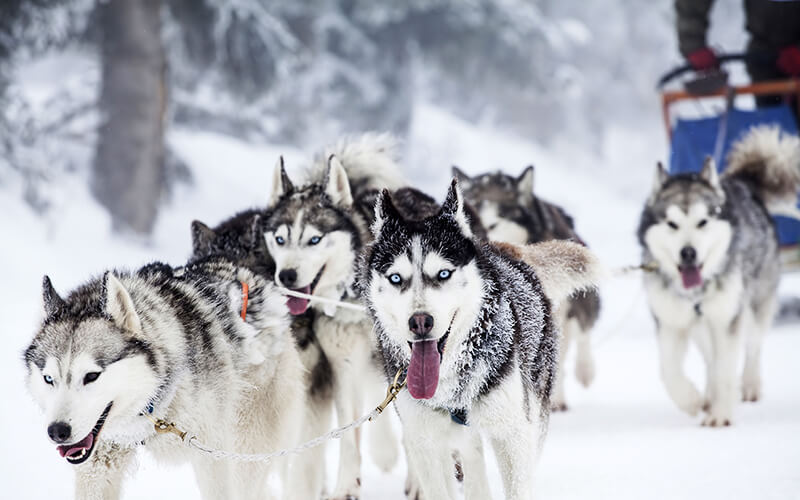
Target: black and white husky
point(471, 324)
point(511, 212)
point(714, 244)
point(315, 233)
point(193, 346)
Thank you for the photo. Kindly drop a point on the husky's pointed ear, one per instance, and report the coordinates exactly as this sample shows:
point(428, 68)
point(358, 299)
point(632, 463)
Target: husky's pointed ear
point(525, 181)
point(281, 185)
point(337, 185)
point(453, 207)
point(464, 180)
point(202, 236)
point(658, 181)
point(710, 175)
point(119, 305)
point(385, 213)
point(52, 301)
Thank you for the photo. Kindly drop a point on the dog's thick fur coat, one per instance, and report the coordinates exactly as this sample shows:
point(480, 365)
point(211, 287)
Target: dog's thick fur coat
point(715, 246)
point(170, 343)
point(432, 286)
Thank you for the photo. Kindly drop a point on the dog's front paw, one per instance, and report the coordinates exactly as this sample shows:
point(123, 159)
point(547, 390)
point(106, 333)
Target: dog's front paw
point(751, 390)
point(720, 415)
point(712, 420)
point(412, 489)
point(350, 493)
point(689, 400)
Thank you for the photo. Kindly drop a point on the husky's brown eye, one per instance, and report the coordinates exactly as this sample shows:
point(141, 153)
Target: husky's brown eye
point(672, 224)
point(90, 377)
point(702, 223)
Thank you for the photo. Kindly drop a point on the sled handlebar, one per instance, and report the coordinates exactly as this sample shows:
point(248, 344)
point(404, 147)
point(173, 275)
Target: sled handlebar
point(755, 57)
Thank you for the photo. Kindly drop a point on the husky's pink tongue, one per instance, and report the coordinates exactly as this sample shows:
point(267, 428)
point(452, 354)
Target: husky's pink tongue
point(691, 277)
point(296, 305)
point(423, 370)
point(74, 449)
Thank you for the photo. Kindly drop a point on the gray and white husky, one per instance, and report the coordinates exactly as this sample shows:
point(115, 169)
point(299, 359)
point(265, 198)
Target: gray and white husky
point(511, 212)
point(240, 239)
point(168, 344)
point(315, 233)
point(470, 322)
point(714, 244)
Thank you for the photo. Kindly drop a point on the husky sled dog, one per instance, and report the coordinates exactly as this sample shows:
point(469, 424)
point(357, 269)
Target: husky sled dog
point(172, 344)
point(511, 212)
point(471, 323)
point(240, 239)
point(315, 233)
point(715, 246)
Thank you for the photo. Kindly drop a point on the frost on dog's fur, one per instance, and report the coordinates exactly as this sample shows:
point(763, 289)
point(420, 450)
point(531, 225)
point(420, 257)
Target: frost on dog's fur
point(491, 323)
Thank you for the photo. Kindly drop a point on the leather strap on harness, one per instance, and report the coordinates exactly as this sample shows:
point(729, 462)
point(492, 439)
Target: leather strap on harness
point(245, 294)
point(459, 416)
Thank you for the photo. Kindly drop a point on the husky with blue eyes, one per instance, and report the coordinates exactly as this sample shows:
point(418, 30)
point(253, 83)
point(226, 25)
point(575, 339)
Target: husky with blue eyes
point(193, 346)
point(714, 244)
point(470, 323)
point(315, 232)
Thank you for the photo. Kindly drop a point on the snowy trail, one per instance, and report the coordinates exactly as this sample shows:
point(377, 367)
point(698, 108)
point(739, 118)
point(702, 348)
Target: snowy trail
point(621, 439)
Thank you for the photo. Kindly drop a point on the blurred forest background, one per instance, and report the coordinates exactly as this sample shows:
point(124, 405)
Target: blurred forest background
point(557, 72)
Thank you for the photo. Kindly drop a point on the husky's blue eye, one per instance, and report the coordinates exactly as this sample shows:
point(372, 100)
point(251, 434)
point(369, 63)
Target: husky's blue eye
point(444, 274)
point(672, 224)
point(90, 377)
point(314, 240)
point(279, 240)
point(48, 379)
point(395, 279)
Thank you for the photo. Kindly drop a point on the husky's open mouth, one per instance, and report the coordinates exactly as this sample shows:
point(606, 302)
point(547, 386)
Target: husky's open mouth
point(81, 451)
point(690, 276)
point(423, 369)
point(298, 306)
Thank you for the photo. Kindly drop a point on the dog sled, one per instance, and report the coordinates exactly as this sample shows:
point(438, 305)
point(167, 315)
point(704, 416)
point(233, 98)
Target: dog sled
point(714, 128)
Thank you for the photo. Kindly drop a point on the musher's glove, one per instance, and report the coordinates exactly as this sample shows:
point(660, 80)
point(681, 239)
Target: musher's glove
point(703, 59)
point(789, 60)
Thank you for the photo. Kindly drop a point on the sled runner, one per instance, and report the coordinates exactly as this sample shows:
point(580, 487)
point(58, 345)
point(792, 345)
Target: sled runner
point(693, 139)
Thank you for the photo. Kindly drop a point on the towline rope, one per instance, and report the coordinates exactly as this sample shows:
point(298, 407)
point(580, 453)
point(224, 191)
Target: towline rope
point(323, 300)
point(190, 440)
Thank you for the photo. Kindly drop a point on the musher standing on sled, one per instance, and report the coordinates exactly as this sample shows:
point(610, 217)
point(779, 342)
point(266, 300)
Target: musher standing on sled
point(774, 27)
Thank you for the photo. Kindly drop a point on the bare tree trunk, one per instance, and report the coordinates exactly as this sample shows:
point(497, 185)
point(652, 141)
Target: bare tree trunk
point(128, 174)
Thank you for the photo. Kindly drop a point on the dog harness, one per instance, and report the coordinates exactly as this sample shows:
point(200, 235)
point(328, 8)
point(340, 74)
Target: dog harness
point(245, 295)
point(459, 416)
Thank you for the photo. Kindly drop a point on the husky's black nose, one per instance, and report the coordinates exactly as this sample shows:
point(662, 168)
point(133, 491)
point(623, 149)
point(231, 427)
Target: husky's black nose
point(420, 323)
point(288, 277)
point(59, 431)
point(688, 255)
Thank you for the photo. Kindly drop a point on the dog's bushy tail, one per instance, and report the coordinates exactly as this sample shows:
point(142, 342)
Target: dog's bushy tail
point(370, 160)
point(563, 267)
point(769, 160)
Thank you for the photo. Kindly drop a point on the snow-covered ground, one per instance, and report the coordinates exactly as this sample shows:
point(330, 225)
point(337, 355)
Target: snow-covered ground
point(622, 437)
